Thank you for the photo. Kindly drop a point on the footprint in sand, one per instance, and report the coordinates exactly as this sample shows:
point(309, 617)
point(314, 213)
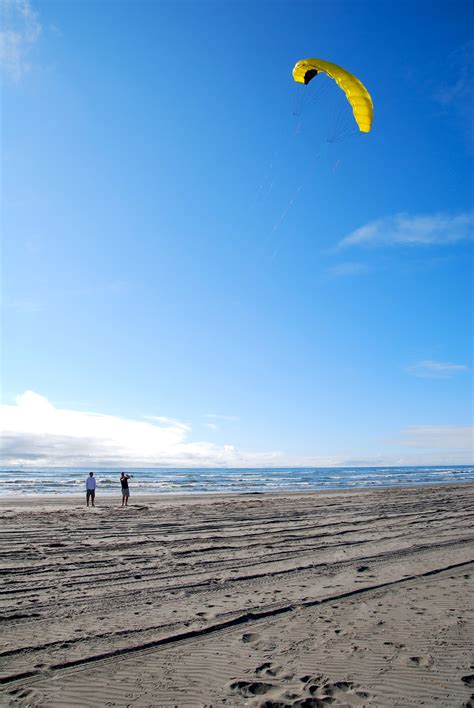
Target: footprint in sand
point(268, 669)
point(250, 637)
point(303, 703)
point(323, 693)
point(307, 678)
point(25, 694)
point(394, 644)
point(250, 688)
point(420, 661)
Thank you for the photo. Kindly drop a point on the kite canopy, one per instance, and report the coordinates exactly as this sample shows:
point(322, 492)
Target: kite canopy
point(355, 91)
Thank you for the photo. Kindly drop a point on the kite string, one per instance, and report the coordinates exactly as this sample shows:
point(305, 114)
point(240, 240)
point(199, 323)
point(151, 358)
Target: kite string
point(342, 122)
point(270, 178)
point(286, 210)
point(311, 95)
point(281, 220)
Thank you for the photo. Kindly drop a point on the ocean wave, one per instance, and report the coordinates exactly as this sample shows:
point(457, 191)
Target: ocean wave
point(62, 481)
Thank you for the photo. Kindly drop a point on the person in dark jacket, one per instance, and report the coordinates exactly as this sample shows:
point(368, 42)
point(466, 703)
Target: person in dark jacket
point(125, 489)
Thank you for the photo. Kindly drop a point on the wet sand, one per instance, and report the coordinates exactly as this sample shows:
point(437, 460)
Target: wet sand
point(354, 598)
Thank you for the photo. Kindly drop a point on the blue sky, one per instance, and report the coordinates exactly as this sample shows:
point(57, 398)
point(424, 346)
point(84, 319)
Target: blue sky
point(194, 275)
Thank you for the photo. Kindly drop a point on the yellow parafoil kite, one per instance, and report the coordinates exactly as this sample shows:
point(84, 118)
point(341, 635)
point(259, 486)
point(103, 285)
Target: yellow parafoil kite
point(355, 91)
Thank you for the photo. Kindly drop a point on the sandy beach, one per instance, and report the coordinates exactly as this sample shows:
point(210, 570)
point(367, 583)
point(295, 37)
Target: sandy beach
point(355, 598)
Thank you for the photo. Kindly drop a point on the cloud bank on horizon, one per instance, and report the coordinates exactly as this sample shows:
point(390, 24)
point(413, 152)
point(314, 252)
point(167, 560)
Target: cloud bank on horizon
point(38, 434)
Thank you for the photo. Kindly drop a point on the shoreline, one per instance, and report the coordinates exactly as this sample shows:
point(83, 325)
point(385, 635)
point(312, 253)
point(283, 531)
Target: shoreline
point(108, 497)
point(361, 595)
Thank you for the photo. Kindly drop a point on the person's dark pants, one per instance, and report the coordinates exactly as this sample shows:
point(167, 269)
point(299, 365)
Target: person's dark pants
point(90, 494)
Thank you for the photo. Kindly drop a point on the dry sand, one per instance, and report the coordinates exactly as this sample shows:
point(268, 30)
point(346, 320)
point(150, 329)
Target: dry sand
point(351, 598)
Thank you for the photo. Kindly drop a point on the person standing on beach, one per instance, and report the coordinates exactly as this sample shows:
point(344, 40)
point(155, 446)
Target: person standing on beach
point(125, 490)
point(90, 488)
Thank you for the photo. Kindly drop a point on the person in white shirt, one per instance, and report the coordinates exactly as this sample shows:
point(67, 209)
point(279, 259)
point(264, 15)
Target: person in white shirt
point(90, 488)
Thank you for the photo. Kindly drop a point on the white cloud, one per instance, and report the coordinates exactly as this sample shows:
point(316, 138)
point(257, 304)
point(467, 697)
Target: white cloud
point(211, 426)
point(20, 31)
point(211, 417)
point(169, 421)
point(37, 433)
point(436, 369)
point(403, 229)
point(454, 438)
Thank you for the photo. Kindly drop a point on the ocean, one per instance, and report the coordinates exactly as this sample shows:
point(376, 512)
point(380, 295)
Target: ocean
point(62, 481)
